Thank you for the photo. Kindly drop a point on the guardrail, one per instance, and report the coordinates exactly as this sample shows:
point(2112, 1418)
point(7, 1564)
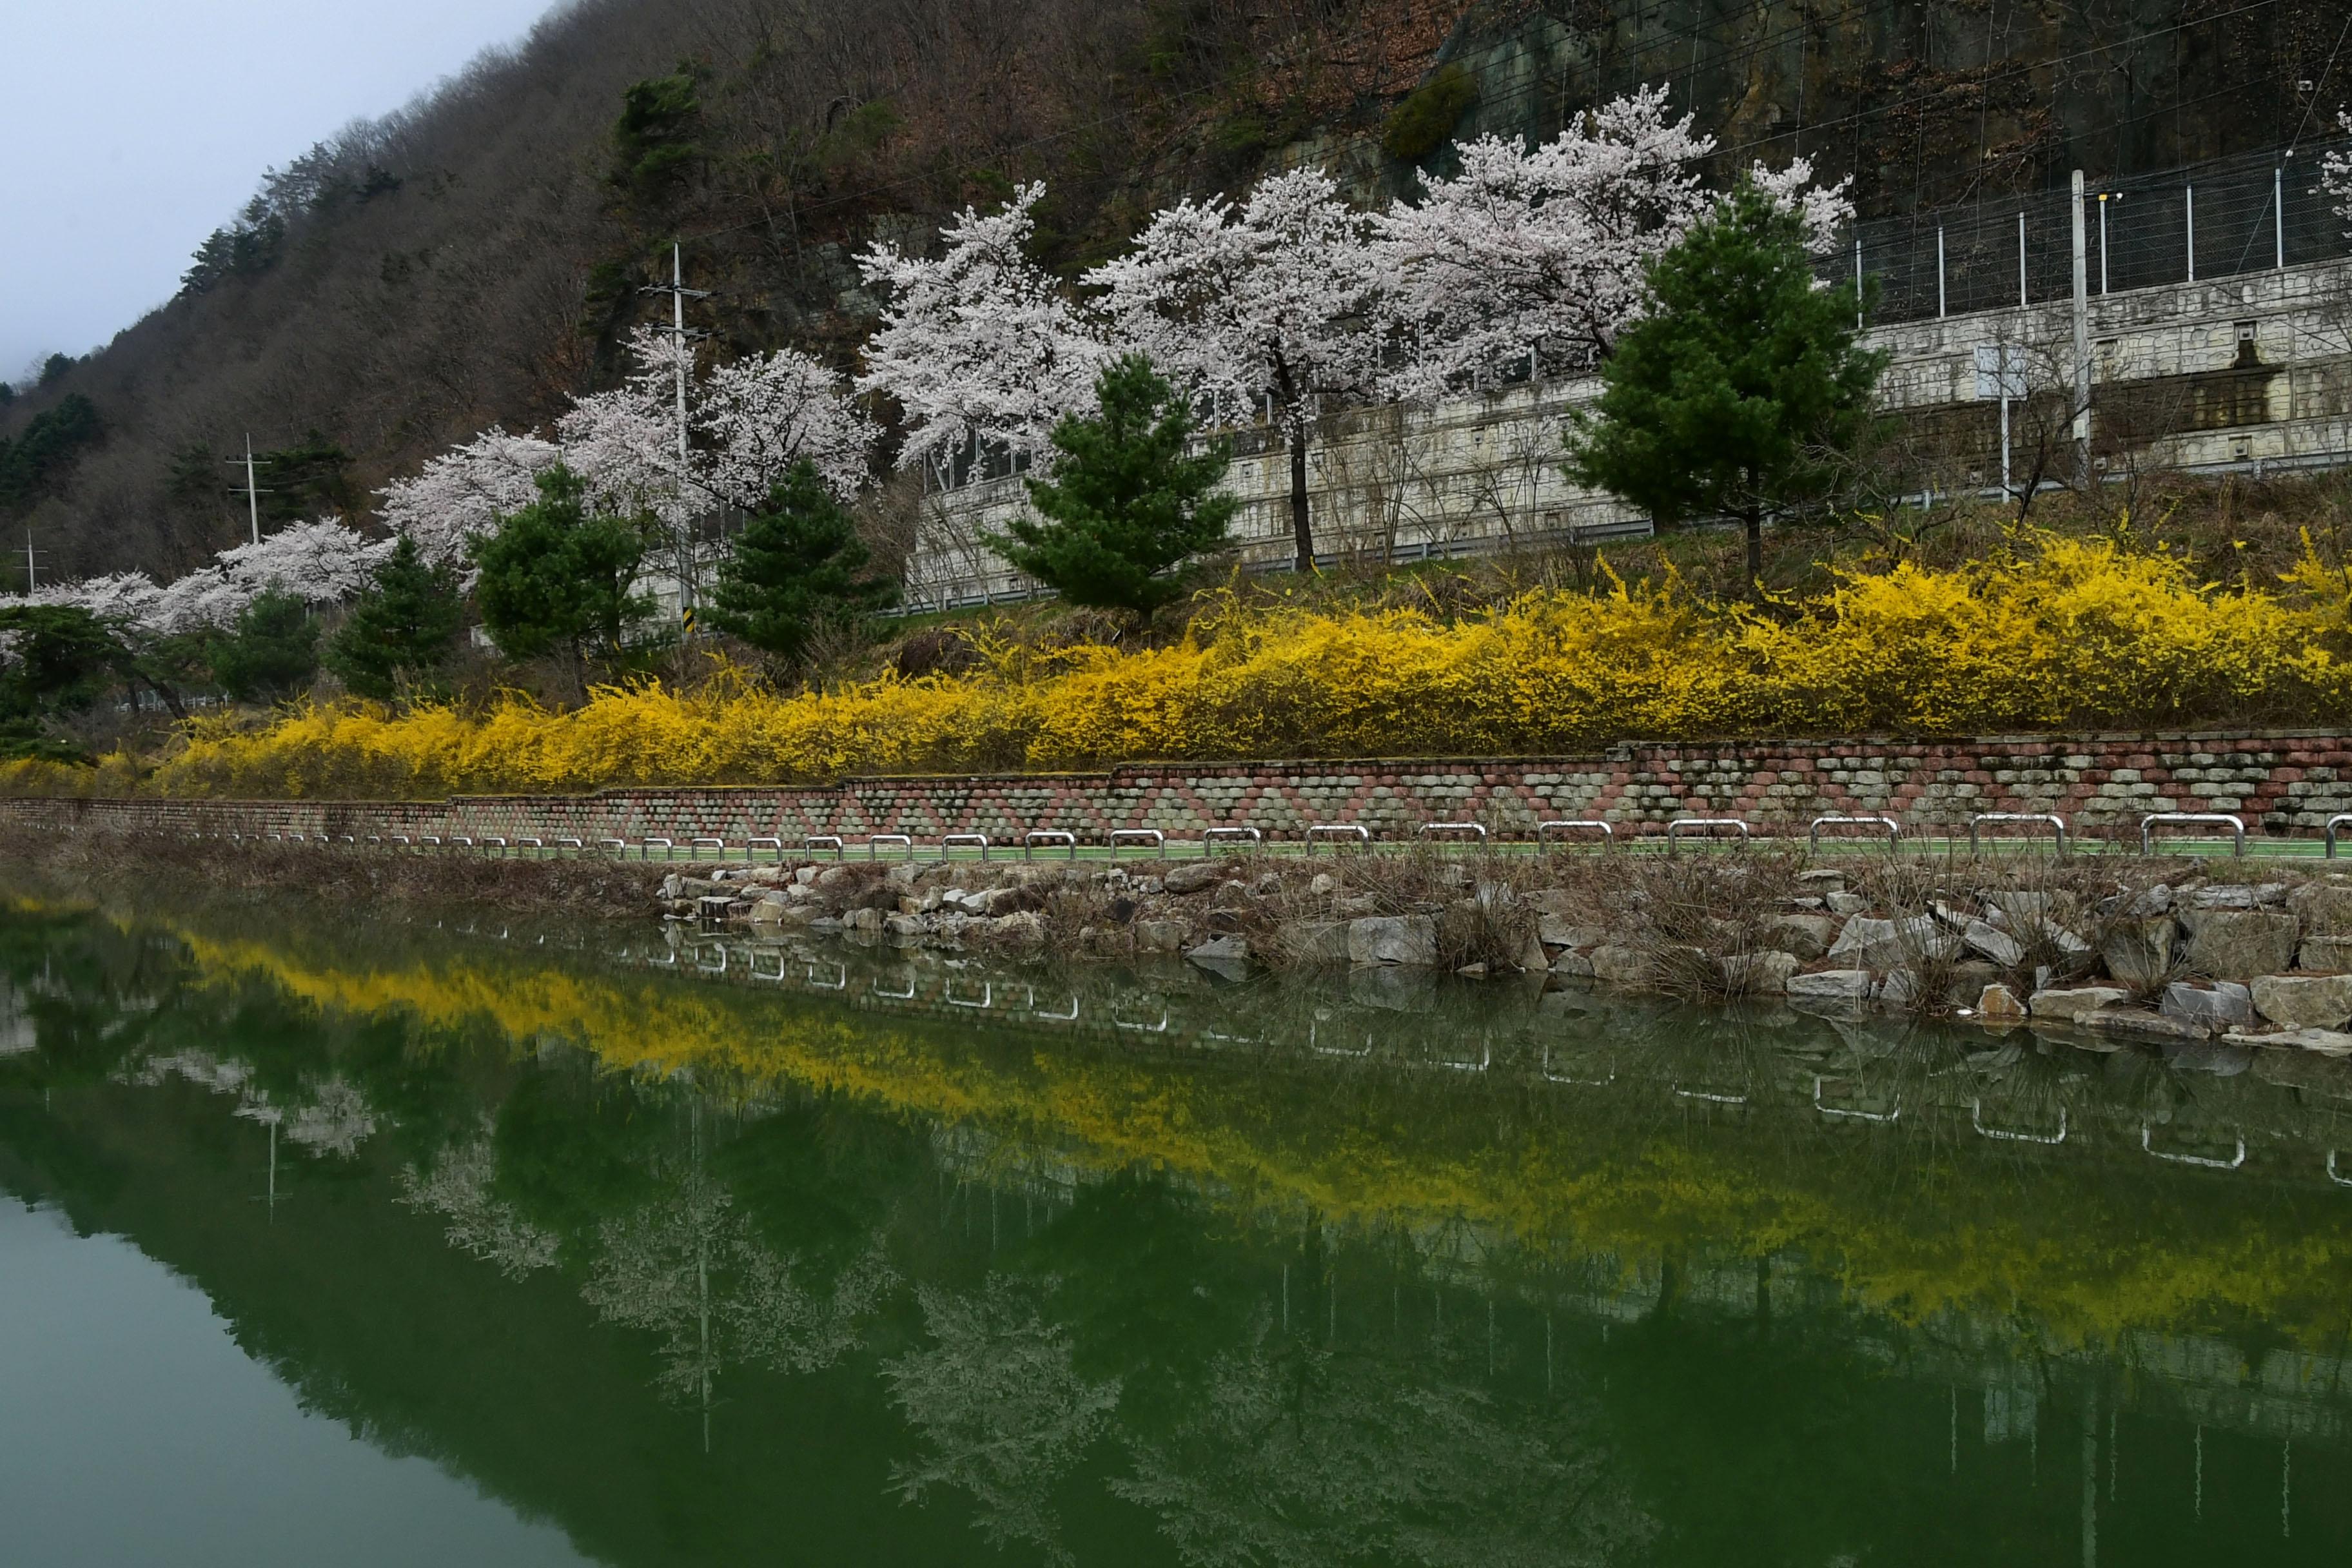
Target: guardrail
point(2057, 824)
point(906, 840)
point(814, 842)
point(1036, 836)
point(947, 841)
point(1429, 828)
point(1704, 824)
point(776, 844)
point(1336, 831)
point(1150, 835)
point(2148, 825)
point(669, 851)
point(2333, 824)
point(693, 847)
point(1212, 836)
point(1893, 829)
point(1544, 830)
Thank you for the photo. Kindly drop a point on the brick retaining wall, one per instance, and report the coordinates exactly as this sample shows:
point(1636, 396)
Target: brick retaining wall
point(2281, 783)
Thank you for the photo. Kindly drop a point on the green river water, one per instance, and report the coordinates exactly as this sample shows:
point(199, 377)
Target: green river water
point(330, 1241)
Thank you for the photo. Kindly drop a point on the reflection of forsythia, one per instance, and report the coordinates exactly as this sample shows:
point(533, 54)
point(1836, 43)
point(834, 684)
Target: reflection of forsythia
point(2066, 633)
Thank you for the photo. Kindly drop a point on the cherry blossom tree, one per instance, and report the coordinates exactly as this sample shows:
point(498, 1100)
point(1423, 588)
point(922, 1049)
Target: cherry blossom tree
point(460, 495)
point(980, 340)
point(765, 412)
point(1540, 253)
point(320, 562)
point(1269, 300)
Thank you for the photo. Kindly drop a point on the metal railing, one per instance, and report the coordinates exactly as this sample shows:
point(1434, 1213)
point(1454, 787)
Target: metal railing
point(1544, 830)
point(1893, 830)
point(1705, 825)
point(1212, 836)
point(1429, 829)
point(904, 840)
point(947, 841)
point(1350, 832)
point(2333, 824)
point(2056, 823)
point(1150, 835)
point(812, 843)
point(1036, 836)
point(2148, 824)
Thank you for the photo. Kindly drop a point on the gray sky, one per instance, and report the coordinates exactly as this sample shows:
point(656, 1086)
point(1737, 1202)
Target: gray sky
point(134, 128)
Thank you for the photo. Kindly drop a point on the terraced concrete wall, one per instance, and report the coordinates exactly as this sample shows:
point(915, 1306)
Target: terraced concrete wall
point(2281, 783)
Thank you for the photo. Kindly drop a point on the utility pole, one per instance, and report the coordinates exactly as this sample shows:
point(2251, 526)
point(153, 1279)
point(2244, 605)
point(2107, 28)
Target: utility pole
point(2082, 340)
point(683, 537)
point(253, 494)
point(32, 571)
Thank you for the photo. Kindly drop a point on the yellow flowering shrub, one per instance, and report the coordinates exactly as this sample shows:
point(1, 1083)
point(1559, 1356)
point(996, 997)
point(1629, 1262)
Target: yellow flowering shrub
point(2054, 633)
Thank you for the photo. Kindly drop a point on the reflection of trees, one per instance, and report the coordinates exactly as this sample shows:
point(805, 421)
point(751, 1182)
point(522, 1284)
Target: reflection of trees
point(1003, 1406)
point(687, 1267)
point(1306, 1456)
point(481, 1223)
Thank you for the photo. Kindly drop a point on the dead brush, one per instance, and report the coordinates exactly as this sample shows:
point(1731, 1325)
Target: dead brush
point(1699, 921)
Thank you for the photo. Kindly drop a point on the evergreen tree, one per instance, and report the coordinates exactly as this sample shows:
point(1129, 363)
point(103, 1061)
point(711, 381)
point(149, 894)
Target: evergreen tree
point(556, 576)
point(55, 660)
point(1742, 389)
point(400, 629)
point(796, 567)
point(271, 649)
point(1126, 501)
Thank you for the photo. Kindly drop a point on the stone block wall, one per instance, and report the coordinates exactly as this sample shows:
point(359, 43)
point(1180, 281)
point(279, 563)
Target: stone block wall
point(2282, 784)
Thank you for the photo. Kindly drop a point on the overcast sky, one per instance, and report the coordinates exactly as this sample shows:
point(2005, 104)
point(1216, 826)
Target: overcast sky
point(131, 129)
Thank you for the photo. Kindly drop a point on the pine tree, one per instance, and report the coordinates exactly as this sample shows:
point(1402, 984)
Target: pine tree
point(1126, 501)
point(272, 649)
point(1743, 386)
point(556, 576)
point(796, 567)
point(400, 629)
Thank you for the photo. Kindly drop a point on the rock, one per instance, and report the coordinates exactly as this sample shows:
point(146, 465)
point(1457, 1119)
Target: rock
point(1997, 946)
point(1842, 903)
point(2326, 955)
point(769, 911)
point(1394, 987)
point(1027, 927)
point(1476, 969)
point(2138, 951)
point(2237, 896)
point(1999, 1005)
point(1554, 931)
point(1159, 936)
point(1758, 973)
point(2324, 1042)
point(2072, 1006)
point(1807, 936)
point(2305, 1001)
point(900, 876)
point(2224, 1006)
point(1533, 959)
point(1900, 989)
point(2141, 1022)
point(835, 879)
point(1614, 965)
point(2237, 944)
point(804, 876)
point(1883, 945)
point(1831, 985)
point(901, 924)
point(1821, 882)
point(862, 920)
point(2325, 908)
point(2222, 1061)
point(1392, 939)
point(1193, 877)
point(1324, 885)
point(1220, 950)
point(1315, 941)
point(1572, 965)
point(2016, 911)
point(672, 886)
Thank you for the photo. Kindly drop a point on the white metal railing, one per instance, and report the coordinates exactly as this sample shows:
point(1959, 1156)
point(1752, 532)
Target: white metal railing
point(1036, 836)
point(1430, 829)
point(1705, 825)
point(1544, 830)
point(947, 841)
point(1892, 829)
point(814, 842)
point(2149, 824)
point(874, 841)
point(2333, 824)
point(1150, 835)
point(1212, 836)
point(1338, 833)
point(2056, 823)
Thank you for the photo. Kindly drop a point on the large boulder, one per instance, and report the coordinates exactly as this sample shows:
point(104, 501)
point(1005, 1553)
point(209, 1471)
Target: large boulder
point(1999, 1005)
point(1997, 946)
point(1193, 877)
point(2237, 944)
point(2326, 955)
point(1613, 966)
point(2325, 908)
point(1394, 939)
point(2305, 1001)
point(1886, 944)
point(1758, 973)
point(2073, 1003)
point(2224, 1005)
point(1220, 950)
point(1159, 936)
point(1806, 936)
point(2138, 949)
point(1315, 941)
point(1830, 985)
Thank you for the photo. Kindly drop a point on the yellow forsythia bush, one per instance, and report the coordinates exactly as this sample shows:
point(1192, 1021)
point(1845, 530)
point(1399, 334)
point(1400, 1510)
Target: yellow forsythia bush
point(2066, 633)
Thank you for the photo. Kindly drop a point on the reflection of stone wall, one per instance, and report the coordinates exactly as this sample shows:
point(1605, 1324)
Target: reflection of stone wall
point(2279, 783)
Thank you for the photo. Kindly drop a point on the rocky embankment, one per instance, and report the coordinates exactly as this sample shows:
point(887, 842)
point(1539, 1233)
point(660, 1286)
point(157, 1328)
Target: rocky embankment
point(2121, 949)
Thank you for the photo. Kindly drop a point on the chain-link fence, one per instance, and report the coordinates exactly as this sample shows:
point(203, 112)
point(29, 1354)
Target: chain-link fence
point(2213, 219)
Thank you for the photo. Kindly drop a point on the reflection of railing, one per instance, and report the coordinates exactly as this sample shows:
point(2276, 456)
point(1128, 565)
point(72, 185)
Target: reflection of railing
point(2148, 1146)
point(987, 996)
point(2008, 1135)
point(906, 995)
point(1895, 1114)
point(1712, 1097)
point(840, 981)
point(1564, 1078)
point(2339, 1181)
point(1160, 1027)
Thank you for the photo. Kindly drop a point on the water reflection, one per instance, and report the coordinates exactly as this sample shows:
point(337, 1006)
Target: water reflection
point(1117, 1266)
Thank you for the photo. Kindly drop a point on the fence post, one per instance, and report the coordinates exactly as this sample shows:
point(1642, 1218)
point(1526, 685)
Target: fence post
point(2278, 216)
point(2082, 340)
point(2189, 197)
point(1857, 282)
point(2020, 261)
point(1939, 272)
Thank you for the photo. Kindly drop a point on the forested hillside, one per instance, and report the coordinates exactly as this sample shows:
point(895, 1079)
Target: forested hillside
point(478, 258)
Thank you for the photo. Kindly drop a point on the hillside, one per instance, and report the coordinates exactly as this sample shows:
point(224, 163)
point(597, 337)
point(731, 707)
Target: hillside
point(476, 258)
